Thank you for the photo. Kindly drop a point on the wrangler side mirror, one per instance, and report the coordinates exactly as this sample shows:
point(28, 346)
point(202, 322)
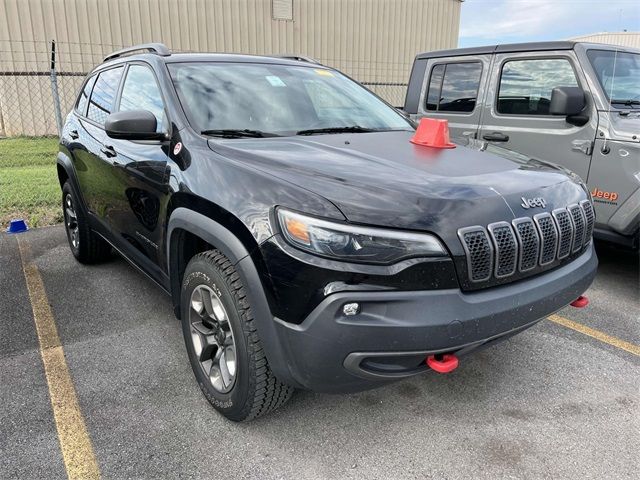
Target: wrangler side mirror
point(569, 102)
point(566, 101)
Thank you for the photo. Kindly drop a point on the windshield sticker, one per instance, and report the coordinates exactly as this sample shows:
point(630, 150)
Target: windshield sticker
point(275, 81)
point(324, 73)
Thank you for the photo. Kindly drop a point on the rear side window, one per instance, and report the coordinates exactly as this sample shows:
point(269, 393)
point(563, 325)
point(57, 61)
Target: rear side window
point(81, 104)
point(104, 94)
point(526, 85)
point(141, 92)
point(453, 87)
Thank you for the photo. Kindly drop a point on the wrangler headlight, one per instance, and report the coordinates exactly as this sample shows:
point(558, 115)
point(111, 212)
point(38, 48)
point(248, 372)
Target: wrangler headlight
point(355, 243)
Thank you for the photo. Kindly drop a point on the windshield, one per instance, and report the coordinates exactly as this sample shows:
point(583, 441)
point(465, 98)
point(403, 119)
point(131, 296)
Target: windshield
point(277, 99)
point(618, 75)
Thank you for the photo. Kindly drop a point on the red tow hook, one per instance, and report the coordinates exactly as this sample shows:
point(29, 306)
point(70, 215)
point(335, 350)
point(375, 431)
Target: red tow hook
point(580, 302)
point(443, 363)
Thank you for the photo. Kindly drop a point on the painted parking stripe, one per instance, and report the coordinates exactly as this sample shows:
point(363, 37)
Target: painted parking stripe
point(597, 334)
point(77, 450)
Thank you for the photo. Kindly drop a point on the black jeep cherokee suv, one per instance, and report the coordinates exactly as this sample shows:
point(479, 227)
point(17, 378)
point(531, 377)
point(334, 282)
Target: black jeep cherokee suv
point(304, 240)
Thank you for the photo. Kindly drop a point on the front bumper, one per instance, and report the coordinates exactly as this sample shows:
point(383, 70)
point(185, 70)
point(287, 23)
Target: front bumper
point(395, 330)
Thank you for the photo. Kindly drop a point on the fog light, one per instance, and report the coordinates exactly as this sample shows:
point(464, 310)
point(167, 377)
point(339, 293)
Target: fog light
point(350, 309)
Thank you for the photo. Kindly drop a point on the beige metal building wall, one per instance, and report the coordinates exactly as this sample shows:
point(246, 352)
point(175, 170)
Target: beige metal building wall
point(626, 39)
point(374, 41)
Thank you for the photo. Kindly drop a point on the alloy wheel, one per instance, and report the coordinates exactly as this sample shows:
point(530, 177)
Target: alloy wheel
point(71, 221)
point(212, 338)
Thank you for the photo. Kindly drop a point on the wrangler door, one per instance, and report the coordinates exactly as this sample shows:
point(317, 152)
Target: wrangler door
point(452, 89)
point(517, 109)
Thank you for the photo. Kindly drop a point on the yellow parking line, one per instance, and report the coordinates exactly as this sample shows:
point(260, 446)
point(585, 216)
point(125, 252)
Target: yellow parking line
point(597, 334)
point(77, 450)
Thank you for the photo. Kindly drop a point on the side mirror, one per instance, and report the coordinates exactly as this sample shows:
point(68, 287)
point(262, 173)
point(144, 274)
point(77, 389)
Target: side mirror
point(133, 125)
point(567, 101)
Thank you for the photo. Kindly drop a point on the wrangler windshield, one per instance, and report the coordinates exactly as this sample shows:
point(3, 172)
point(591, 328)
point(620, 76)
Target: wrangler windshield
point(618, 74)
point(278, 100)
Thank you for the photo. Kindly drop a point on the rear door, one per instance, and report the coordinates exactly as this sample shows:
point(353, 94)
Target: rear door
point(451, 90)
point(95, 161)
point(517, 109)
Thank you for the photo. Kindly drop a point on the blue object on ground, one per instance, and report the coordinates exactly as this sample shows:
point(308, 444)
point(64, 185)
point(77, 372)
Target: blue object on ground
point(17, 225)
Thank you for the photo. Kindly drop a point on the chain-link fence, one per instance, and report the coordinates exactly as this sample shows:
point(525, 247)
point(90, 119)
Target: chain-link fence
point(39, 81)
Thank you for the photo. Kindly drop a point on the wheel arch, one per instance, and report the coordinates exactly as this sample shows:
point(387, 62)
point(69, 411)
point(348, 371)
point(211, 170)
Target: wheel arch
point(190, 232)
point(195, 225)
point(66, 172)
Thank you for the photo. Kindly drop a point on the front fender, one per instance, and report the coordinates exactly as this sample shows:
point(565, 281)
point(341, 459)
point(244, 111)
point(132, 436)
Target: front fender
point(224, 240)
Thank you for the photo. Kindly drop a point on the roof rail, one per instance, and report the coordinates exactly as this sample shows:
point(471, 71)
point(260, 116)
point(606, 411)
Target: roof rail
point(299, 58)
point(157, 48)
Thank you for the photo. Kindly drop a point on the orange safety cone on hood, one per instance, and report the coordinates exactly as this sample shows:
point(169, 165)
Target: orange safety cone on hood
point(433, 132)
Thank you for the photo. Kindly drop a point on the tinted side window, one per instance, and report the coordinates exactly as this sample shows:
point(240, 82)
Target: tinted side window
point(526, 85)
point(454, 87)
point(141, 92)
point(104, 94)
point(81, 104)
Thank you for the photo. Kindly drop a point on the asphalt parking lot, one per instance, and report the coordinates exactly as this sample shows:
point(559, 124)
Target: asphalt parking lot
point(553, 402)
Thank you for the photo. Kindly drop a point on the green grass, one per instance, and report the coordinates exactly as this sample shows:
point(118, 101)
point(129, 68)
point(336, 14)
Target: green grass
point(28, 181)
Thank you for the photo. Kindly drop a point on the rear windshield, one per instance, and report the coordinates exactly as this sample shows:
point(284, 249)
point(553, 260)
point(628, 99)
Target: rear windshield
point(618, 74)
point(279, 99)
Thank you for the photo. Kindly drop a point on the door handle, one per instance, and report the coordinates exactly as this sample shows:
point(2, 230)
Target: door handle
point(109, 151)
point(496, 137)
point(74, 134)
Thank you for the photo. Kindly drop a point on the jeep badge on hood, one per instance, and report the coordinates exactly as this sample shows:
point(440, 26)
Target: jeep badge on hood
point(533, 202)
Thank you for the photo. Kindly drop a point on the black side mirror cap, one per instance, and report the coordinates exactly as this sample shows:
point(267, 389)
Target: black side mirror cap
point(567, 101)
point(133, 125)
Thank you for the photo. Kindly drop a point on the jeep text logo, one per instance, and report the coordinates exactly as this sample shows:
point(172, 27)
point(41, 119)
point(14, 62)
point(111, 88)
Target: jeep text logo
point(533, 202)
point(598, 194)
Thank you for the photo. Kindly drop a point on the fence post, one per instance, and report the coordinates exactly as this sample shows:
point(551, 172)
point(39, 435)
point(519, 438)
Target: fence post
point(54, 89)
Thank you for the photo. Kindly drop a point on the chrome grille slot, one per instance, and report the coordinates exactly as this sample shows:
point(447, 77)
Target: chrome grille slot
point(579, 221)
point(479, 252)
point(548, 237)
point(565, 231)
point(506, 248)
point(590, 215)
point(529, 243)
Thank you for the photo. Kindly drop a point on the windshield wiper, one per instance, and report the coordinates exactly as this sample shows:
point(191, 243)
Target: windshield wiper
point(351, 129)
point(626, 102)
point(236, 133)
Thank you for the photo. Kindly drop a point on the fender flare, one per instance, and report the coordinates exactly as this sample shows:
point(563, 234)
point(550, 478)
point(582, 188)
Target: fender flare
point(224, 240)
point(65, 162)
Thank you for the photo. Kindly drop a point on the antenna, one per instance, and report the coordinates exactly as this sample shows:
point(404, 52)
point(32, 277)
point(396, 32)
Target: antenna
point(605, 147)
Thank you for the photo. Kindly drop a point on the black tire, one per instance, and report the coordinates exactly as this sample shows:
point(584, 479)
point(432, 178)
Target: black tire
point(255, 390)
point(86, 246)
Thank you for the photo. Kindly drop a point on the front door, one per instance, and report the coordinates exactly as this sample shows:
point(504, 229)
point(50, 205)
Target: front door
point(140, 169)
point(517, 109)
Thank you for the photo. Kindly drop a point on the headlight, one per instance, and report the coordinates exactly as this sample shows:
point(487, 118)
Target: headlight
point(353, 243)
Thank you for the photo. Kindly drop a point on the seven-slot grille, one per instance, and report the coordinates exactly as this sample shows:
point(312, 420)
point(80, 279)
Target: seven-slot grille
point(502, 248)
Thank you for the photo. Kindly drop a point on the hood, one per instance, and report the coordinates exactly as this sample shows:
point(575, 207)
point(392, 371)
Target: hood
point(380, 178)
